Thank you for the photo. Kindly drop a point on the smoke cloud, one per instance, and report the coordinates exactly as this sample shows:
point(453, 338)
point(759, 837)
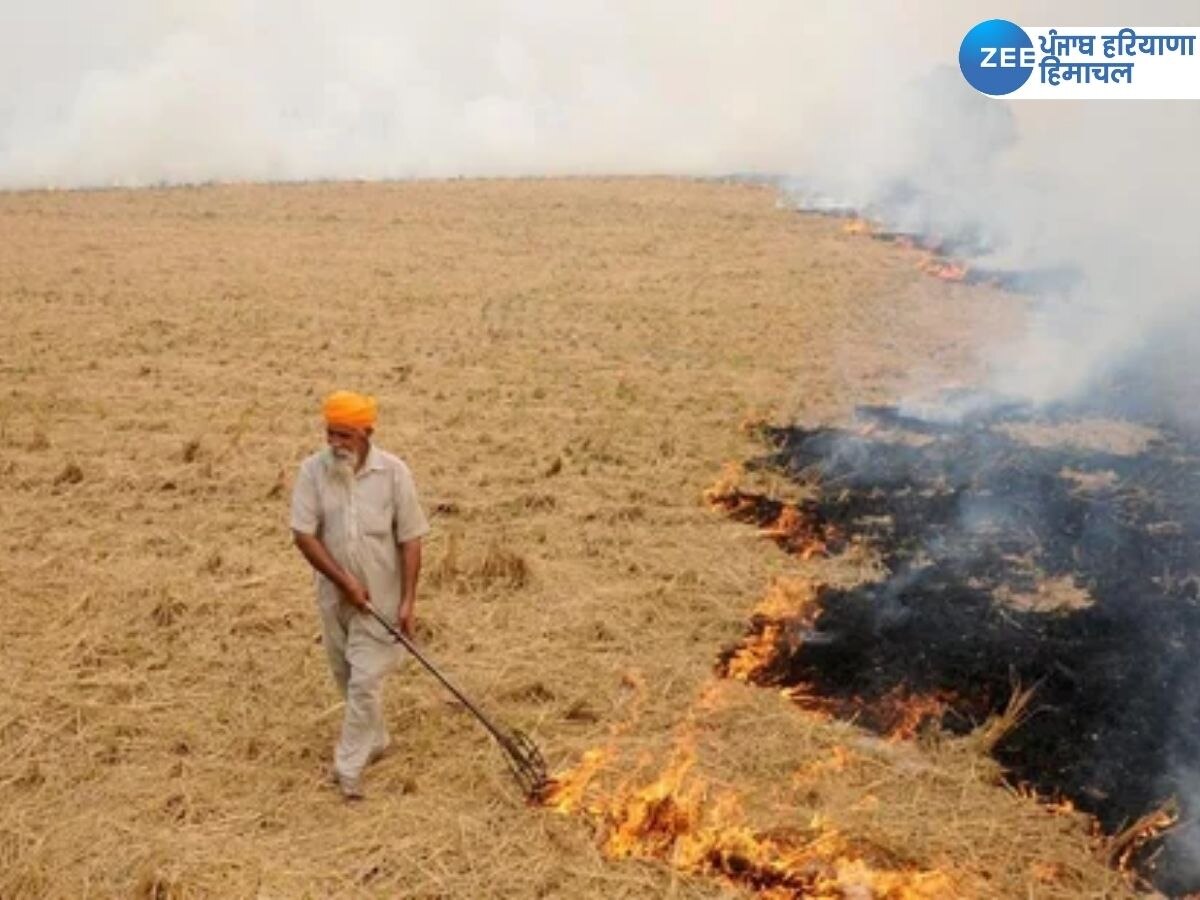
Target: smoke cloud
point(864, 103)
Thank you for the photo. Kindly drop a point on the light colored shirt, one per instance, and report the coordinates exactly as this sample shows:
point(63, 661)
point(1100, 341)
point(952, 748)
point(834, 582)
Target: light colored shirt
point(361, 523)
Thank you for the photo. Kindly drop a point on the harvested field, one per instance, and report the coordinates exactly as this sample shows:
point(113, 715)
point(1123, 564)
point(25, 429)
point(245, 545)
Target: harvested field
point(565, 366)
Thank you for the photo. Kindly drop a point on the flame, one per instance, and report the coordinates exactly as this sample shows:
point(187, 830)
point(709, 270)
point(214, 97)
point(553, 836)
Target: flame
point(940, 267)
point(931, 261)
point(857, 226)
point(797, 529)
point(681, 818)
point(898, 715)
point(678, 818)
point(784, 611)
point(565, 792)
point(726, 484)
point(1051, 803)
point(1123, 849)
point(787, 611)
point(754, 654)
point(1061, 807)
point(908, 711)
point(788, 598)
point(647, 822)
point(798, 532)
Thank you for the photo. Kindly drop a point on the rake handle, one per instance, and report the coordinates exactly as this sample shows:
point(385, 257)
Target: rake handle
point(501, 738)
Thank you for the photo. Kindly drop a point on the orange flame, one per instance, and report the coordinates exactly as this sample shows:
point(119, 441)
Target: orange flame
point(907, 712)
point(797, 530)
point(783, 612)
point(566, 793)
point(678, 819)
point(940, 267)
point(930, 262)
point(754, 654)
point(788, 598)
point(899, 714)
point(1124, 848)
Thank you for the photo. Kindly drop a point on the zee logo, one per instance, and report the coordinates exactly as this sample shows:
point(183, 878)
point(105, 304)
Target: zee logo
point(996, 57)
point(1007, 57)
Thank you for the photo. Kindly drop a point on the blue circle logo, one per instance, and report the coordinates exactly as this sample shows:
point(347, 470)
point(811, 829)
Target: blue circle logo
point(996, 57)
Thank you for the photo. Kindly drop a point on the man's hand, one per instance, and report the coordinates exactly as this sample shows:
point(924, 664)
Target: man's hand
point(410, 569)
point(352, 590)
point(355, 592)
point(405, 618)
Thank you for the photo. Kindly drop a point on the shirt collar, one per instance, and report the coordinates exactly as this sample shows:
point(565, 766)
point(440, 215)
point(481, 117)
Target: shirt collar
point(373, 462)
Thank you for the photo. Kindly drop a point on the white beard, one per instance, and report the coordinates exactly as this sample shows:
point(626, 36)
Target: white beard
point(341, 466)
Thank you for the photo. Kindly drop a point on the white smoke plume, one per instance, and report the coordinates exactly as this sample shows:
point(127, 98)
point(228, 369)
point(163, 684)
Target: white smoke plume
point(864, 100)
point(137, 93)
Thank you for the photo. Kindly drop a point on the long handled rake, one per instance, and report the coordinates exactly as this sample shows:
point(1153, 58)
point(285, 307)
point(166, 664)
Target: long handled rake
point(524, 758)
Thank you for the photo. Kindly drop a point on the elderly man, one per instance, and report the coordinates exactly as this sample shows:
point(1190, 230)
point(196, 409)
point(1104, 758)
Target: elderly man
point(357, 520)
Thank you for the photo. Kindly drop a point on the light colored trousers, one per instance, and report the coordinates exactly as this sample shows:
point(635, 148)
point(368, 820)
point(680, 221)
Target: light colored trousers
point(359, 660)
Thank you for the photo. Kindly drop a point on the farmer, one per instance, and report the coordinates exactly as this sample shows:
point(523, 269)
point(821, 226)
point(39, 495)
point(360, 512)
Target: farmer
point(357, 520)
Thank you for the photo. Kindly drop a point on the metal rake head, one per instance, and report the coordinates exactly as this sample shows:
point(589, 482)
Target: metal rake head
point(526, 762)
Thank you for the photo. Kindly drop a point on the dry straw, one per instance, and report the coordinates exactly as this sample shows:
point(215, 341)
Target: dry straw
point(564, 365)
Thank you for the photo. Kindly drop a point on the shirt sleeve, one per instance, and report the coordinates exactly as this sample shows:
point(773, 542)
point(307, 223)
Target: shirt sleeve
point(410, 518)
point(306, 508)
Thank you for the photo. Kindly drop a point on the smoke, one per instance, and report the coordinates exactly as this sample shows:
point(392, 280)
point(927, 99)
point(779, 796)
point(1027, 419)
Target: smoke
point(134, 95)
point(866, 106)
point(859, 103)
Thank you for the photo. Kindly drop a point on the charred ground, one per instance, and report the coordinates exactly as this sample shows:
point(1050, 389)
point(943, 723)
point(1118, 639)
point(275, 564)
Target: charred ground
point(972, 522)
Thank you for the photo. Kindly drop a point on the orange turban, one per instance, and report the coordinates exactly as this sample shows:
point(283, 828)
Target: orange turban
point(350, 410)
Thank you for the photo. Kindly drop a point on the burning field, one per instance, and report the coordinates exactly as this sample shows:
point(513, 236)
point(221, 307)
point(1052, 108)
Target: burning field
point(859, 696)
point(1041, 572)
